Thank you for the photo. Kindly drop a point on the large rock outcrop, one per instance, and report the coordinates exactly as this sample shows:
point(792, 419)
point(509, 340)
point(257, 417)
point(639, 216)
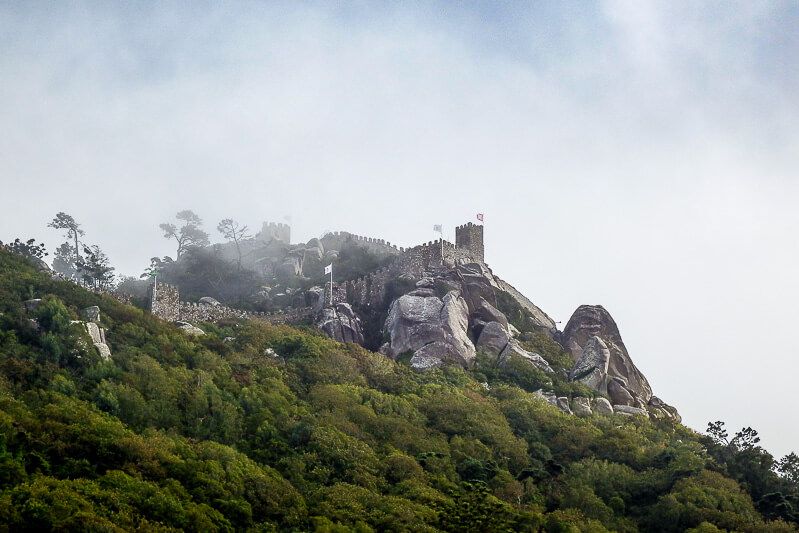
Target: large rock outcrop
point(592, 366)
point(496, 341)
point(340, 322)
point(430, 329)
point(602, 362)
point(624, 383)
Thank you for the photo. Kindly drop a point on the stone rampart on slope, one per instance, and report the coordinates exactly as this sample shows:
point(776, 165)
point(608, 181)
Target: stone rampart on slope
point(165, 303)
point(431, 255)
point(336, 240)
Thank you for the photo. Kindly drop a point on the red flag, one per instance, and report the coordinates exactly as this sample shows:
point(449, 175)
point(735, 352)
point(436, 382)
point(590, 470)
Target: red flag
point(480, 217)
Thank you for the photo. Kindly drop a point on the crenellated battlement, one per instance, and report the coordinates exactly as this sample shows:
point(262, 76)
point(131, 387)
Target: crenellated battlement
point(366, 291)
point(468, 246)
point(470, 237)
point(276, 231)
point(335, 240)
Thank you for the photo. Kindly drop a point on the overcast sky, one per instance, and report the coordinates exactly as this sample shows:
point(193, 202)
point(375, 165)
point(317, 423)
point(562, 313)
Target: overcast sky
point(639, 156)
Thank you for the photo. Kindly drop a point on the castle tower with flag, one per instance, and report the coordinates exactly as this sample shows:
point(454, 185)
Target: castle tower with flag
point(470, 237)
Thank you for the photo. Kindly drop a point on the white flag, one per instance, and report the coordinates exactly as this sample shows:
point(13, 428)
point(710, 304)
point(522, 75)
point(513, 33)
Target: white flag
point(329, 269)
point(437, 227)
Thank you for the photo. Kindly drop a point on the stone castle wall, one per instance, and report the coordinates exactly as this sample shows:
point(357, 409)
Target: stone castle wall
point(432, 255)
point(165, 303)
point(370, 290)
point(337, 239)
point(275, 231)
point(367, 291)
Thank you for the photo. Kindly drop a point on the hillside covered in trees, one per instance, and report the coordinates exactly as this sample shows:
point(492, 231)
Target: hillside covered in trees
point(266, 428)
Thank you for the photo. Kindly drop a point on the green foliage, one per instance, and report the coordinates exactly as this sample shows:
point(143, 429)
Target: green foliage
point(544, 345)
point(515, 313)
point(27, 248)
point(198, 434)
point(773, 485)
point(355, 261)
point(203, 272)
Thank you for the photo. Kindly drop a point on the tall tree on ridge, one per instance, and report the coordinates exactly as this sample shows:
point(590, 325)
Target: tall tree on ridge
point(189, 234)
point(233, 231)
point(64, 261)
point(73, 231)
point(95, 269)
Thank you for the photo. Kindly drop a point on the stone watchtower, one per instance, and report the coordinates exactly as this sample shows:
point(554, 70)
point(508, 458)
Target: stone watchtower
point(164, 301)
point(276, 231)
point(469, 237)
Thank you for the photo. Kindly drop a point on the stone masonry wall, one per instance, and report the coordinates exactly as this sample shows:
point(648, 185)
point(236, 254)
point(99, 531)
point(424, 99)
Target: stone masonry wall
point(470, 237)
point(164, 301)
point(277, 231)
point(337, 239)
point(367, 291)
point(431, 255)
point(370, 290)
point(165, 304)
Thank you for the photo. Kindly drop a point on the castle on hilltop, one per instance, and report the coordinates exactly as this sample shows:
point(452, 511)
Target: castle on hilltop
point(369, 290)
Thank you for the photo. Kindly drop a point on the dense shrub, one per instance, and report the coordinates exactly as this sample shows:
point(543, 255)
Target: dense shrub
point(204, 435)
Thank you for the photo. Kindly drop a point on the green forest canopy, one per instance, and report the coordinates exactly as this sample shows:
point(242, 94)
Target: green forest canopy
point(214, 434)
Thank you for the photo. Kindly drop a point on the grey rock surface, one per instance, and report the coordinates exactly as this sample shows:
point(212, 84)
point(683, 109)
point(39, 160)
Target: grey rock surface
point(581, 406)
point(32, 305)
point(659, 409)
point(207, 300)
point(103, 349)
point(290, 267)
point(340, 322)
point(602, 406)
point(626, 384)
point(488, 313)
point(424, 291)
point(40, 265)
point(430, 328)
point(493, 339)
point(190, 329)
point(514, 348)
point(538, 316)
point(629, 410)
point(94, 332)
point(563, 405)
point(426, 283)
point(91, 314)
point(314, 297)
point(592, 366)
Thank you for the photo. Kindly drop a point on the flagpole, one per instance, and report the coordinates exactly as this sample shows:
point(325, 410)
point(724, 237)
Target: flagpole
point(441, 235)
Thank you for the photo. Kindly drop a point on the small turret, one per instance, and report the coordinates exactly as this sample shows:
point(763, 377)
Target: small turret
point(276, 231)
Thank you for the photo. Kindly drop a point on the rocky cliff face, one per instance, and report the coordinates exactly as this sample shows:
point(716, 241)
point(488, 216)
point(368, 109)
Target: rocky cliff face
point(341, 323)
point(624, 382)
point(450, 314)
point(602, 362)
point(439, 303)
point(434, 330)
point(430, 329)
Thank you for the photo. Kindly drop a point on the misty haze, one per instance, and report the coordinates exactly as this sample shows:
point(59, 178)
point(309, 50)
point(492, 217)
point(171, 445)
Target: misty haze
point(432, 266)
